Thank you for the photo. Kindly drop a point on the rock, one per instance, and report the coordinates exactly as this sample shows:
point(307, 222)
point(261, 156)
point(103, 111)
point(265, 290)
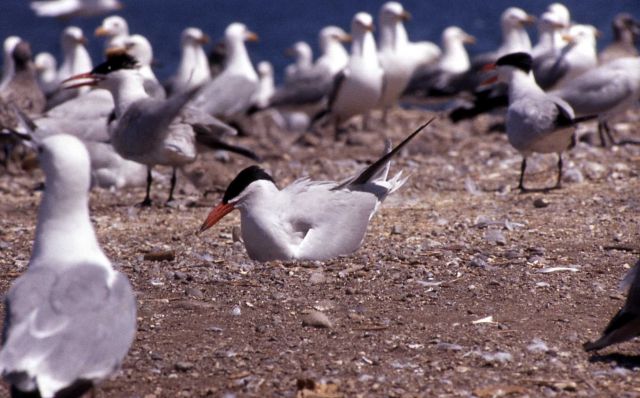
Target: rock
point(317, 278)
point(499, 357)
point(537, 345)
point(397, 230)
point(495, 236)
point(540, 203)
point(572, 175)
point(594, 171)
point(471, 186)
point(316, 319)
point(160, 255)
point(179, 275)
point(430, 244)
point(183, 366)
point(194, 292)
point(236, 311)
point(478, 261)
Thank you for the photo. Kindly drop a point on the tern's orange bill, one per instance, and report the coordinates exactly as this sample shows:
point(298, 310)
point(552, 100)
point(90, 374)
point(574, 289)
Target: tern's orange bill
point(216, 215)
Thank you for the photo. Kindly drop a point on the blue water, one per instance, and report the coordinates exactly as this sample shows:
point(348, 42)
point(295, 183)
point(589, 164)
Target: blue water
point(280, 23)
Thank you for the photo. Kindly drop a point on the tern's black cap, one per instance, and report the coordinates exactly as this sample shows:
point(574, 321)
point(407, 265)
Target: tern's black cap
point(115, 62)
point(521, 60)
point(243, 179)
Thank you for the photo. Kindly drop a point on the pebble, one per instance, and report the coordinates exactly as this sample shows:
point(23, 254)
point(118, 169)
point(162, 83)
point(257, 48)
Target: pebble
point(236, 234)
point(500, 357)
point(594, 171)
point(316, 319)
point(495, 236)
point(540, 203)
point(573, 175)
point(183, 366)
point(537, 345)
point(397, 229)
point(194, 292)
point(236, 311)
point(478, 261)
point(160, 255)
point(317, 278)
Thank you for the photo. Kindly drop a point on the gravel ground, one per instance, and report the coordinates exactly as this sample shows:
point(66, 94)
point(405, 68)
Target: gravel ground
point(463, 287)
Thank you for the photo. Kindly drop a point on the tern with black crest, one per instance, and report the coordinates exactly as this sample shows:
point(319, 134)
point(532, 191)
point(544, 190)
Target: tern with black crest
point(307, 220)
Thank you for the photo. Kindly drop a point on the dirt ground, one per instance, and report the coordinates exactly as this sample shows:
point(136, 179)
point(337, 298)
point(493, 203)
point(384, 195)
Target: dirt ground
point(456, 291)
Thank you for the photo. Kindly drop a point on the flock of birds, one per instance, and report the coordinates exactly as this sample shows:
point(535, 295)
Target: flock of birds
point(70, 319)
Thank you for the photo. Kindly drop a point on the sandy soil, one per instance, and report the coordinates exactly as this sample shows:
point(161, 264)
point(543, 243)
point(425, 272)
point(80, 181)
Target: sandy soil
point(408, 311)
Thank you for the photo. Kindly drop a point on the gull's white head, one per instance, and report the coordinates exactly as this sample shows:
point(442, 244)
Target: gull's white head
point(332, 34)
point(582, 34)
point(66, 165)
point(139, 48)
point(454, 34)
point(551, 21)
point(301, 51)
point(265, 69)
point(45, 62)
point(72, 36)
point(194, 37)
point(248, 184)
point(361, 24)
point(392, 13)
point(9, 44)
point(238, 32)
point(514, 17)
point(561, 13)
point(113, 26)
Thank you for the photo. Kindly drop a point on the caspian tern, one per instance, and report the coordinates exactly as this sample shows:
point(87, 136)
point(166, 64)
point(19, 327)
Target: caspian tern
point(307, 220)
point(153, 131)
point(71, 317)
point(625, 324)
point(535, 121)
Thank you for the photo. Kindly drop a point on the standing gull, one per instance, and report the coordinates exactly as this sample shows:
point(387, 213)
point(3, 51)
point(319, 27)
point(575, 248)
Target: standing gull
point(398, 57)
point(307, 220)
point(70, 318)
point(303, 60)
point(46, 66)
point(154, 131)
point(357, 89)
point(229, 95)
point(193, 70)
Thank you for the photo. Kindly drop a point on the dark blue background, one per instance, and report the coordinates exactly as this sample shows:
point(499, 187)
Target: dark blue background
point(279, 23)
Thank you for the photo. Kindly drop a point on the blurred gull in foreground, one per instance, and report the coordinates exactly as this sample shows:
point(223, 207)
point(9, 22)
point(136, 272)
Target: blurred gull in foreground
point(71, 317)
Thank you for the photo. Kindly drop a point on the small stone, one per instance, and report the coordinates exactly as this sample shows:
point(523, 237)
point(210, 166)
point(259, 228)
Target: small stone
point(236, 311)
point(316, 319)
point(495, 236)
point(572, 175)
point(594, 171)
point(537, 345)
point(160, 255)
point(194, 292)
point(317, 278)
point(183, 366)
point(179, 275)
point(478, 261)
point(397, 229)
point(540, 203)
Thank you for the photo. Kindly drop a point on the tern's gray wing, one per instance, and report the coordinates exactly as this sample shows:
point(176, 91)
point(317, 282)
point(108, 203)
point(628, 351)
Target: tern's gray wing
point(226, 96)
point(329, 223)
point(66, 326)
point(145, 124)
